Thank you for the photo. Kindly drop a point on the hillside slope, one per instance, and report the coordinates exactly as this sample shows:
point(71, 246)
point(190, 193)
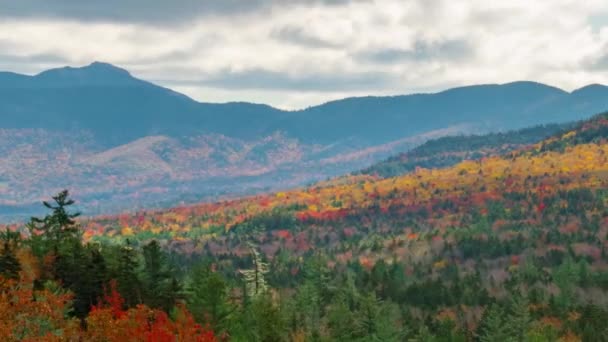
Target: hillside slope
point(529, 184)
point(449, 150)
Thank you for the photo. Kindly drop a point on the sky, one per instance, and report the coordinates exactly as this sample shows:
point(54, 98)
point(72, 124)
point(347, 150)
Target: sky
point(296, 53)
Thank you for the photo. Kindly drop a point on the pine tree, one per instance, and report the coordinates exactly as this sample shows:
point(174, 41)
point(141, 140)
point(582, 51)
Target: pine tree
point(208, 300)
point(377, 320)
point(308, 309)
point(9, 264)
point(83, 270)
point(58, 235)
point(129, 284)
point(340, 320)
point(519, 318)
point(58, 226)
point(264, 321)
point(162, 290)
point(565, 277)
point(493, 326)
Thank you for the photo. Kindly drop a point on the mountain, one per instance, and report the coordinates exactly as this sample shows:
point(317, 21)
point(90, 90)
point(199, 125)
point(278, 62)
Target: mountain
point(123, 143)
point(115, 107)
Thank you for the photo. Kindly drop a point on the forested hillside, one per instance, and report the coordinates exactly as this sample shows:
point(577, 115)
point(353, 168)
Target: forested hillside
point(447, 151)
point(503, 248)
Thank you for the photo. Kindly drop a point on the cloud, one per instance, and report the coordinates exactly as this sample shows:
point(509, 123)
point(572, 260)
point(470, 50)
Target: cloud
point(155, 12)
point(449, 50)
point(303, 52)
point(45, 58)
point(299, 36)
point(599, 63)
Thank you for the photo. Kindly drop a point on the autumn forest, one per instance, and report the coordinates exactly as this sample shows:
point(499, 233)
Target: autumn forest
point(509, 245)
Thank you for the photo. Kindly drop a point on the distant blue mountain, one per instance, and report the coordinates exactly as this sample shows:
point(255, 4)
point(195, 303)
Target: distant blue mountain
point(119, 108)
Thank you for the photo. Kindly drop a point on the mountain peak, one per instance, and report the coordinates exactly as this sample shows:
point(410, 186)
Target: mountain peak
point(94, 74)
point(107, 67)
point(591, 88)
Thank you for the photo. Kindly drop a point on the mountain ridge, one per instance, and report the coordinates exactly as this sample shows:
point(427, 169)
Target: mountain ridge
point(100, 66)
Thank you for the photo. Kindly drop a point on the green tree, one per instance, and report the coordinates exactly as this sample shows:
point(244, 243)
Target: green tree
point(308, 309)
point(129, 284)
point(340, 320)
point(162, 289)
point(208, 298)
point(261, 321)
point(9, 264)
point(519, 319)
point(377, 320)
point(493, 326)
point(57, 227)
point(566, 276)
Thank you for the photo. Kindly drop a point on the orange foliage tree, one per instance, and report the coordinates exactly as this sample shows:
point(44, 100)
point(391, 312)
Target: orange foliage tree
point(109, 322)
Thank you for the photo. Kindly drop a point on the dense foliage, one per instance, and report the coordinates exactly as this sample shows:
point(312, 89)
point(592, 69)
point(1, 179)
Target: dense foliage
point(504, 248)
point(55, 288)
point(450, 150)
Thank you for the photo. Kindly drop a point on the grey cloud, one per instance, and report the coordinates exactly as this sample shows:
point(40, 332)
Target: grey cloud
point(35, 58)
point(260, 79)
point(155, 12)
point(299, 36)
point(597, 64)
point(31, 64)
point(489, 18)
point(449, 50)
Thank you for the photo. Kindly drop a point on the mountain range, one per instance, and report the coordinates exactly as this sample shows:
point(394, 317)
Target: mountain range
point(120, 143)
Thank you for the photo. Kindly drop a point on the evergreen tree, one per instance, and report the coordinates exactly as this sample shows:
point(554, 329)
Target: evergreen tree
point(162, 289)
point(341, 320)
point(129, 284)
point(263, 321)
point(57, 235)
point(9, 264)
point(519, 318)
point(377, 320)
point(493, 326)
point(309, 309)
point(58, 226)
point(208, 298)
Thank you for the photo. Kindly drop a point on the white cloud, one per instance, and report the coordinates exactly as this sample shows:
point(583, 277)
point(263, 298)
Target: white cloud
point(297, 53)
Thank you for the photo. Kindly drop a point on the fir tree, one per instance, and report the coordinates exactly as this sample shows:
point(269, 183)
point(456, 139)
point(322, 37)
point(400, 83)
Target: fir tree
point(58, 226)
point(493, 326)
point(519, 318)
point(162, 289)
point(9, 264)
point(129, 284)
point(208, 300)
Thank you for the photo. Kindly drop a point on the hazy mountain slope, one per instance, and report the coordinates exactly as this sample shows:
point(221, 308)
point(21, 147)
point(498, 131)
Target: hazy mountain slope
point(118, 108)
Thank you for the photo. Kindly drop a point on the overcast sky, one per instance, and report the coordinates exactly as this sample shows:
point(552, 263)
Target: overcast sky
point(296, 53)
